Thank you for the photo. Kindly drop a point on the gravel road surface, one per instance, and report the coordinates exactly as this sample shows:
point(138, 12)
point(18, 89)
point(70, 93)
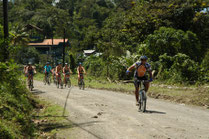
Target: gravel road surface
point(99, 114)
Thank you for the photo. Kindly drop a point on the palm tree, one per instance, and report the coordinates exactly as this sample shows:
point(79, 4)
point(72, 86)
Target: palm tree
point(19, 37)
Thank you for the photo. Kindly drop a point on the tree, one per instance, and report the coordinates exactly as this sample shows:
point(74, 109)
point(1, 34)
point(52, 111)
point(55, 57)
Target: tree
point(171, 41)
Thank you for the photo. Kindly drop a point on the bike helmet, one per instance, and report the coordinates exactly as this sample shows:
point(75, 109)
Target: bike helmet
point(66, 63)
point(59, 63)
point(143, 58)
point(80, 63)
point(29, 63)
point(47, 63)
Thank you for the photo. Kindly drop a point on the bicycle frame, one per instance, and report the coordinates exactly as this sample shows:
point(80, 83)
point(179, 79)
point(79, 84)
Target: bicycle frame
point(81, 82)
point(30, 83)
point(47, 77)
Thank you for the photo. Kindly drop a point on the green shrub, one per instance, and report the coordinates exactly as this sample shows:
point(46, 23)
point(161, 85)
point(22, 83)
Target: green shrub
point(6, 131)
point(15, 103)
point(179, 68)
point(205, 68)
point(188, 69)
point(172, 41)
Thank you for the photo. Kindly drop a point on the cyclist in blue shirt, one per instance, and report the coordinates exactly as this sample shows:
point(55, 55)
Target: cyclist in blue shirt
point(47, 70)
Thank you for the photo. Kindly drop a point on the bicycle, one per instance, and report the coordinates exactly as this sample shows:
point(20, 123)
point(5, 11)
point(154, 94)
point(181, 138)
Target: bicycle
point(81, 83)
point(54, 78)
point(59, 82)
point(30, 84)
point(67, 80)
point(143, 96)
point(47, 79)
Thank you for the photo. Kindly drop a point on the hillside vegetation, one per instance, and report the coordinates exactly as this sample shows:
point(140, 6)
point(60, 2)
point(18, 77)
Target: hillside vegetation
point(16, 104)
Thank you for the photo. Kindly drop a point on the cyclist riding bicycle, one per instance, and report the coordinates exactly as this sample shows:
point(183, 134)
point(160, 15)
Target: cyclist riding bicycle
point(141, 68)
point(30, 71)
point(80, 71)
point(47, 70)
point(58, 71)
point(66, 72)
point(54, 73)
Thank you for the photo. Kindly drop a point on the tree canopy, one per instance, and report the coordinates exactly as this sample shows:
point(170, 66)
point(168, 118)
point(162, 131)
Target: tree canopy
point(113, 27)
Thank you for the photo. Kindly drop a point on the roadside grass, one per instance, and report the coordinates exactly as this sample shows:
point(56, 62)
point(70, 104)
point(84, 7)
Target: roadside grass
point(49, 120)
point(198, 96)
point(192, 95)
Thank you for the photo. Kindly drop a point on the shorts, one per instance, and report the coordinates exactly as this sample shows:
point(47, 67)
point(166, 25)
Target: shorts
point(30, 72)
point(47, 73)
point(81, 75)
point(136, 83)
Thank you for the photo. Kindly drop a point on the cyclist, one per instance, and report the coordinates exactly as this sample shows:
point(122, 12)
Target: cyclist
point(30, 71)
point(58, 71)
point(47, 70)
point(140, 74)
point(66, 72)
point(54, 73)
point(80, 71)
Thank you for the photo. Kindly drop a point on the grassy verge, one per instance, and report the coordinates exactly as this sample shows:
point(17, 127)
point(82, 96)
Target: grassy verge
point(49, 120)
point(192, 95)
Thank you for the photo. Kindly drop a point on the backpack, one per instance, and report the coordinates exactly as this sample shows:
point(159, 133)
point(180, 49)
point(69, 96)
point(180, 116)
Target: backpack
point(141, 70)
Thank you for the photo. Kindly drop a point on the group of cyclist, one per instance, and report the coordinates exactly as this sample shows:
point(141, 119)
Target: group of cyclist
point(56, 72)
point(141, 68)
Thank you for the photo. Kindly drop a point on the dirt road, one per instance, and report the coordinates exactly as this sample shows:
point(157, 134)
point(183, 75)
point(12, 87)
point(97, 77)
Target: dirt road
point(100, 114)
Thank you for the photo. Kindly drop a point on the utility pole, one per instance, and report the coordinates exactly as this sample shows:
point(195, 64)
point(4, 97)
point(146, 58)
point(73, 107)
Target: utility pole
point(6, 32)
point(63, 53)
point(52, 48)
point(5, 11)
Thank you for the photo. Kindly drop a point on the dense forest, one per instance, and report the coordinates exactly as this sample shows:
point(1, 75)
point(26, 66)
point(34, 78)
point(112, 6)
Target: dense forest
point(173, 34)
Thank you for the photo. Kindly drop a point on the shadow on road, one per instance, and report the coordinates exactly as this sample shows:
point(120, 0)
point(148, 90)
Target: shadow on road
point(154, 112)
point(47, 127)
point(37, 92)
point(50, 126)
point(66, 101)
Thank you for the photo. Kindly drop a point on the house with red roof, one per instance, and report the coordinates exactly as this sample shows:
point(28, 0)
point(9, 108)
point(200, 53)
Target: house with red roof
point(52, 47)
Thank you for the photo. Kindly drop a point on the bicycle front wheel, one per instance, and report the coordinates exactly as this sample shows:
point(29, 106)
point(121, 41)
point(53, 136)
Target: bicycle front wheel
point(144, 101)
point(82, 85)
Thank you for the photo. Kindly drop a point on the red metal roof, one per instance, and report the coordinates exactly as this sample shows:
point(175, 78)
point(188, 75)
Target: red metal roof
point(49, 42)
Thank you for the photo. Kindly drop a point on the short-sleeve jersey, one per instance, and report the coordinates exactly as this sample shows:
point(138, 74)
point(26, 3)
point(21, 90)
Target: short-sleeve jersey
point(48, 68)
